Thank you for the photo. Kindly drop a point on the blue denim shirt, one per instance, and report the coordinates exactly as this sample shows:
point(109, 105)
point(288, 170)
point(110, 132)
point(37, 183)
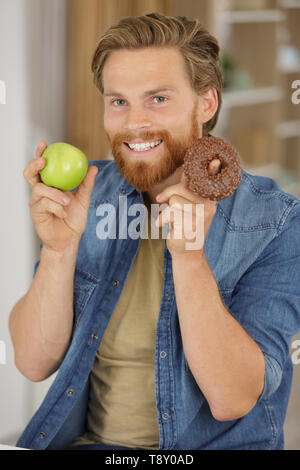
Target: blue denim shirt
point(253, 250)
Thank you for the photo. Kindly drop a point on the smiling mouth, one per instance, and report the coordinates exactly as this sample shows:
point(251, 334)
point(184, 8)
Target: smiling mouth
point(143, 147)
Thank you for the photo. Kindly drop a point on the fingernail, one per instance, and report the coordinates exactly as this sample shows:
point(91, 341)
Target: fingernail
point(65, 200)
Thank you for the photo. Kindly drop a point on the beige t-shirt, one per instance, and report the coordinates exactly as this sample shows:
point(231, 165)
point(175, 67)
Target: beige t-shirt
point(122, 404)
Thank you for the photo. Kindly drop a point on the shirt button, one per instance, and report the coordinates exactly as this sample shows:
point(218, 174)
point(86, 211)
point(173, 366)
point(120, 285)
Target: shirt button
point(70, 392)
point(42, 435)
point(163, 354)
point(165, 416)
point(115, 283)
point(94, 336)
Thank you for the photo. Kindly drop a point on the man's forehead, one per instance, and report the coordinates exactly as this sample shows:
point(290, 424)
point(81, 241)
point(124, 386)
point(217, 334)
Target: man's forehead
point(150, 69)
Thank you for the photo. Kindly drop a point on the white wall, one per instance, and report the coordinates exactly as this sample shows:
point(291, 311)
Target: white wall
point(32, 54)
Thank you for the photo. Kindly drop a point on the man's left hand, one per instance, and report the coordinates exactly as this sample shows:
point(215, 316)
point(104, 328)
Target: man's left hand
point(188, 214)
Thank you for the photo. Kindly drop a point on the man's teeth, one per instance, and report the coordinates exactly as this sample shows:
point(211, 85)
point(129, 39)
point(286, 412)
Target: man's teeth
point(144, 146)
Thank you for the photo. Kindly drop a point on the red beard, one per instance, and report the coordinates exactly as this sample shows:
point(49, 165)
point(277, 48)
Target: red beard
point(144, 175)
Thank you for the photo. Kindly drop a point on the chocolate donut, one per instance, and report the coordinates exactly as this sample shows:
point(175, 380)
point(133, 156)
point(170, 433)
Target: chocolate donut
point(196, 163)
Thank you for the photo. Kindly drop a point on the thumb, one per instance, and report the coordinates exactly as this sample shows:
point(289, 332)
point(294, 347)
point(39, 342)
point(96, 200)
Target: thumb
point(84, 190)
point(214, 167)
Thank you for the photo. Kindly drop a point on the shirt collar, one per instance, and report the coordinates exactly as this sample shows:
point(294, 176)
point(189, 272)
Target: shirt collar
point(126, 189)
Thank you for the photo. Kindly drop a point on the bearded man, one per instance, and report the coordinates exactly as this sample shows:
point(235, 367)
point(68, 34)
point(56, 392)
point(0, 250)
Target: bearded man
point(158, 346)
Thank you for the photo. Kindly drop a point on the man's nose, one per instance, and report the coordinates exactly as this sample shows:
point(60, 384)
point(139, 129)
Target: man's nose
point(137, 118)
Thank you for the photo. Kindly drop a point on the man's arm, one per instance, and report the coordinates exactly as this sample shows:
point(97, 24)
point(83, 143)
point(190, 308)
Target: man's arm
point(225, 361)
point(236, 356)
point(41, 322)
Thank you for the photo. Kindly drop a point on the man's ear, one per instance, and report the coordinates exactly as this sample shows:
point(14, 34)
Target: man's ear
point(208, 105)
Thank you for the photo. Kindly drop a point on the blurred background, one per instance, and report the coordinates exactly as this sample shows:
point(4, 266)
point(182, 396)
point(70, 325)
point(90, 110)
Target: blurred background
point(47, 92)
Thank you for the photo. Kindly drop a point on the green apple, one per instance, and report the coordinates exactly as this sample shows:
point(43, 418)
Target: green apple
point(65, 167)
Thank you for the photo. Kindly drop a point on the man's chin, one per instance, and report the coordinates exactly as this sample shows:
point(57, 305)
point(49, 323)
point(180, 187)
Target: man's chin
point(142, 182)
point(143, 175)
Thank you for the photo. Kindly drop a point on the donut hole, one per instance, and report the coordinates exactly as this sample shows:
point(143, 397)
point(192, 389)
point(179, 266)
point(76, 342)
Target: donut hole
point(222, 164)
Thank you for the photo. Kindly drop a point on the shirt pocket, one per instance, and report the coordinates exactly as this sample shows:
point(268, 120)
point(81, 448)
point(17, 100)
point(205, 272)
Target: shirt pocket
point(84, 286)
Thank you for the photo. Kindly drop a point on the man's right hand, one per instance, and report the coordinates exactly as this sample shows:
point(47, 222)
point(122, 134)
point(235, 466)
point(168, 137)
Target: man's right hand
point(59, 217)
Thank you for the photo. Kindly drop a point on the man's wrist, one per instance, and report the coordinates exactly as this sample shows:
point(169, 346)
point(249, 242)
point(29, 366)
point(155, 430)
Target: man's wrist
point(189, 256)
point(60, 256)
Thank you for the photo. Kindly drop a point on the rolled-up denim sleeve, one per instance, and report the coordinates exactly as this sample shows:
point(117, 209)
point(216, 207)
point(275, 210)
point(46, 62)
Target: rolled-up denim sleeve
point(266, 300)
point(272, 378)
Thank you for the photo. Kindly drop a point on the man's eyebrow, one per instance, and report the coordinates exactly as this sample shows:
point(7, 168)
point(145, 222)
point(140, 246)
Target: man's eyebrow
point(147, 93)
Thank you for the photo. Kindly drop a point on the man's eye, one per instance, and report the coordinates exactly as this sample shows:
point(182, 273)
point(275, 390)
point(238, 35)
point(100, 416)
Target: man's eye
point(160, 98)
point(115, 101)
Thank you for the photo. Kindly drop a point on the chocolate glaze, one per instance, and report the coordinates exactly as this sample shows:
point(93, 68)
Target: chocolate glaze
point(195, 167)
